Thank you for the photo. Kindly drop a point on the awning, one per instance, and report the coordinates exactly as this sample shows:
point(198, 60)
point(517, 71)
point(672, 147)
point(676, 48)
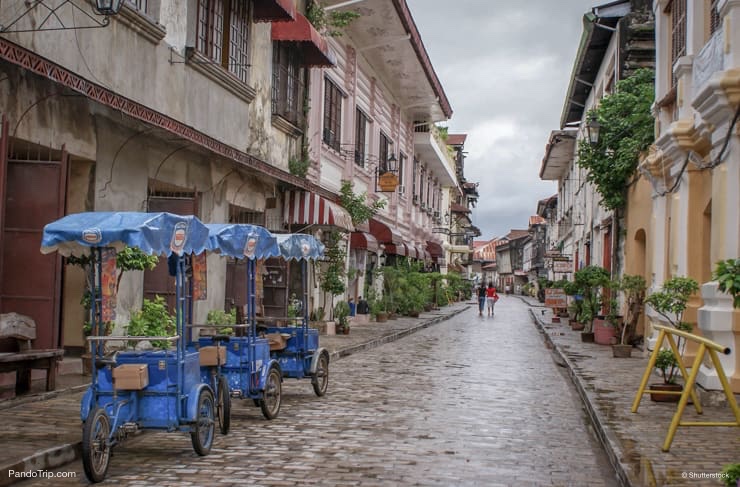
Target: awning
point(362, 240)
point(435, 249)
point(384, 234)
point(411, 252)
point(427, 256)
point(396, 249)
point(305, 208)
point(273, 10)
point(315, 48)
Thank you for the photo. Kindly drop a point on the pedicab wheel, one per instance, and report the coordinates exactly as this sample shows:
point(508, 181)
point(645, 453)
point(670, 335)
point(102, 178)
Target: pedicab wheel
point(95, 448)
point(320, 378)
point(270, 402)
point(205, 426)
point(224, 405)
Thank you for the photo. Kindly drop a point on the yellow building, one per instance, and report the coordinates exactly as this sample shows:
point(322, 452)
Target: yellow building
point(694, 169)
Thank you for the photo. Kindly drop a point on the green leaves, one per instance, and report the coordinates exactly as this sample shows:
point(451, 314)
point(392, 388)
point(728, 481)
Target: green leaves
point(152, 320)
point(670, 302)
point(727, 275)
point(355, 204)
point(627, 128)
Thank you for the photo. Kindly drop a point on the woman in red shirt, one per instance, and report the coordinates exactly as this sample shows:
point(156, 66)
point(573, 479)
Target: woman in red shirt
point(491, 298)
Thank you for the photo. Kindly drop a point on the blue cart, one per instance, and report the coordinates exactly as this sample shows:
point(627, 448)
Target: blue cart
point(132, 390)
point(302, 357)
point(246, 371)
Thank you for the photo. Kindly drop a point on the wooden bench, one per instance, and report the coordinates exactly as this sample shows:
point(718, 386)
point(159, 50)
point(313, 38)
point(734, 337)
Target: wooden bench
point(20, 330)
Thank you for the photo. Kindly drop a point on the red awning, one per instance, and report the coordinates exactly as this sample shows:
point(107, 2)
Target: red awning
point(399, 249)
point(435, 249)
point(273, 10)
point(427, 255)
point(315, 48)
point(362, 240)
point(384, 233)
point(305, 208)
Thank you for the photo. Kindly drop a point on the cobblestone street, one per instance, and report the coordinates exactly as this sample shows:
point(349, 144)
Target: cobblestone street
point(471, 401)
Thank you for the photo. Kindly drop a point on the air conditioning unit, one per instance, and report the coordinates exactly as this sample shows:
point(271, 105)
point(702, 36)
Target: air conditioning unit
point(423, 205)
point(401, 189)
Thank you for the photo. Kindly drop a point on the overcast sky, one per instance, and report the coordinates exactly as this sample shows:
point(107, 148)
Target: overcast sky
point(505, 68)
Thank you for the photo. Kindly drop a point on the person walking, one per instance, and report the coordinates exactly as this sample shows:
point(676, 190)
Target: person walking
point(481, 298)
point(491, 298)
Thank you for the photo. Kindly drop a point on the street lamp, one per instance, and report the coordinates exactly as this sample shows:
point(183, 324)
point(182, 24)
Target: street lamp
point(108, 7)
point(391, 164)
point(593, 127)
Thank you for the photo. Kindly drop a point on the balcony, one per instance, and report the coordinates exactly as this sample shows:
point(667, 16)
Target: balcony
point(432, 151)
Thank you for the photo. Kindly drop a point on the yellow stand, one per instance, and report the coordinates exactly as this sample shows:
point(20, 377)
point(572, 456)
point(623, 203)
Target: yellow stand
point(688, 390)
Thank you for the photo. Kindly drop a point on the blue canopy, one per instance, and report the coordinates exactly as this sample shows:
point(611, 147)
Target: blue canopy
point(299, 246)
point(153, 233)
point(241, 240)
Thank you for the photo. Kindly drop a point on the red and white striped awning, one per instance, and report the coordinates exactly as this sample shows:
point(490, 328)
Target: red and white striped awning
point(305, 208)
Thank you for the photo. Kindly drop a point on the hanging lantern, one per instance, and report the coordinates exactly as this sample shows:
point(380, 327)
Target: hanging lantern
point(108, 7)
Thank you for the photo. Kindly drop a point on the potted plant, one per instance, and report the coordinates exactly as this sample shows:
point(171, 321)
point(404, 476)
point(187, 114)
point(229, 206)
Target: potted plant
point(633, 288)
point(153, 319)
point(220, 319)
point(591, 280)
point(727, 275)
point(670, 303)
point(316, 319)
point(341, 315)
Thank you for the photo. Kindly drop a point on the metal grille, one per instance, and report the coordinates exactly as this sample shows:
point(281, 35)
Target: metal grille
point(173, 195)
point(287, 85)
point(332, 115)
point(241, 215)
point(401, 168)
point(677, 9)
point(714, 20)
point(383, 153)
point(238, 62)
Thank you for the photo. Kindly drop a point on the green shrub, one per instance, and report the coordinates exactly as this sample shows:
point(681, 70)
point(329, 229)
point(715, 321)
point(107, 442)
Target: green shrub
point(154, 319)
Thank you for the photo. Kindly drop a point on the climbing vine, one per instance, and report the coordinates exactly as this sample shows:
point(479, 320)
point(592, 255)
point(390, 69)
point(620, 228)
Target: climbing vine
point(627, 128)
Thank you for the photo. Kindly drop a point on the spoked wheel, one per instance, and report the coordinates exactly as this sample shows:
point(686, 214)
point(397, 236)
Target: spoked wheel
point(270, 402)
point(320, 379)
point(95, 447)
point(224, 405)
point(205, 426)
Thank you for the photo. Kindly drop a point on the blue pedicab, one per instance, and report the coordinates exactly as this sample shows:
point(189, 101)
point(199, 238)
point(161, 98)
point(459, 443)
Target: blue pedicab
point(247, 372)
point(302, 358)
point(131, 390)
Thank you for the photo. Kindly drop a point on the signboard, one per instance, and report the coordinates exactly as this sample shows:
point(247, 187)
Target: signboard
point(388, 182)
point(562, 266)
point(555, 298)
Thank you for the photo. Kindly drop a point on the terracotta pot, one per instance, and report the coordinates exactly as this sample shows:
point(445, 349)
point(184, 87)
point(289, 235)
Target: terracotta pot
point(603, 333)
point(587, 337)
point(556, 319)
point(381, 317)
point(621, 351)
point(658, 397)
point(575, 326)
point(345, 330)
point(414, 314)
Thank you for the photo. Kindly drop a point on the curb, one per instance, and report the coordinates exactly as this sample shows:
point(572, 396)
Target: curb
point(42, 396)
point(61, 455)
point(337, 354)
point(606, 437)
point(43, 460)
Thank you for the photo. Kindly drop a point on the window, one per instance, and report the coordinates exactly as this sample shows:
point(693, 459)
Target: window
point(421, 184)
point(223, 34)
point(414, 176)
point(677, 11)
point(242, 215)
point(401, 168)
point(139, 5)
point(332, 115)
point(383, 153)
point(287, 82)
point(360, 138)
point(714, 20)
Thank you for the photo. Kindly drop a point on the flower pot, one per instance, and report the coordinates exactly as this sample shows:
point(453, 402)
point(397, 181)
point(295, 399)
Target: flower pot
point(381, 317)
point(603, 333)
point(345, 330)
point(556, 319)
point(86, 363)
point(414, 314)
point(622, 351)
point(331, 328)
point(587, 337)
point(658, 397)
point(428, 307)
point(575, 326)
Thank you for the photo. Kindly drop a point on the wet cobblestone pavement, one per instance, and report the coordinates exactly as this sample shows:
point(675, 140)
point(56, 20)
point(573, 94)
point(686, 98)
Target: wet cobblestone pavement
point(471, 401)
